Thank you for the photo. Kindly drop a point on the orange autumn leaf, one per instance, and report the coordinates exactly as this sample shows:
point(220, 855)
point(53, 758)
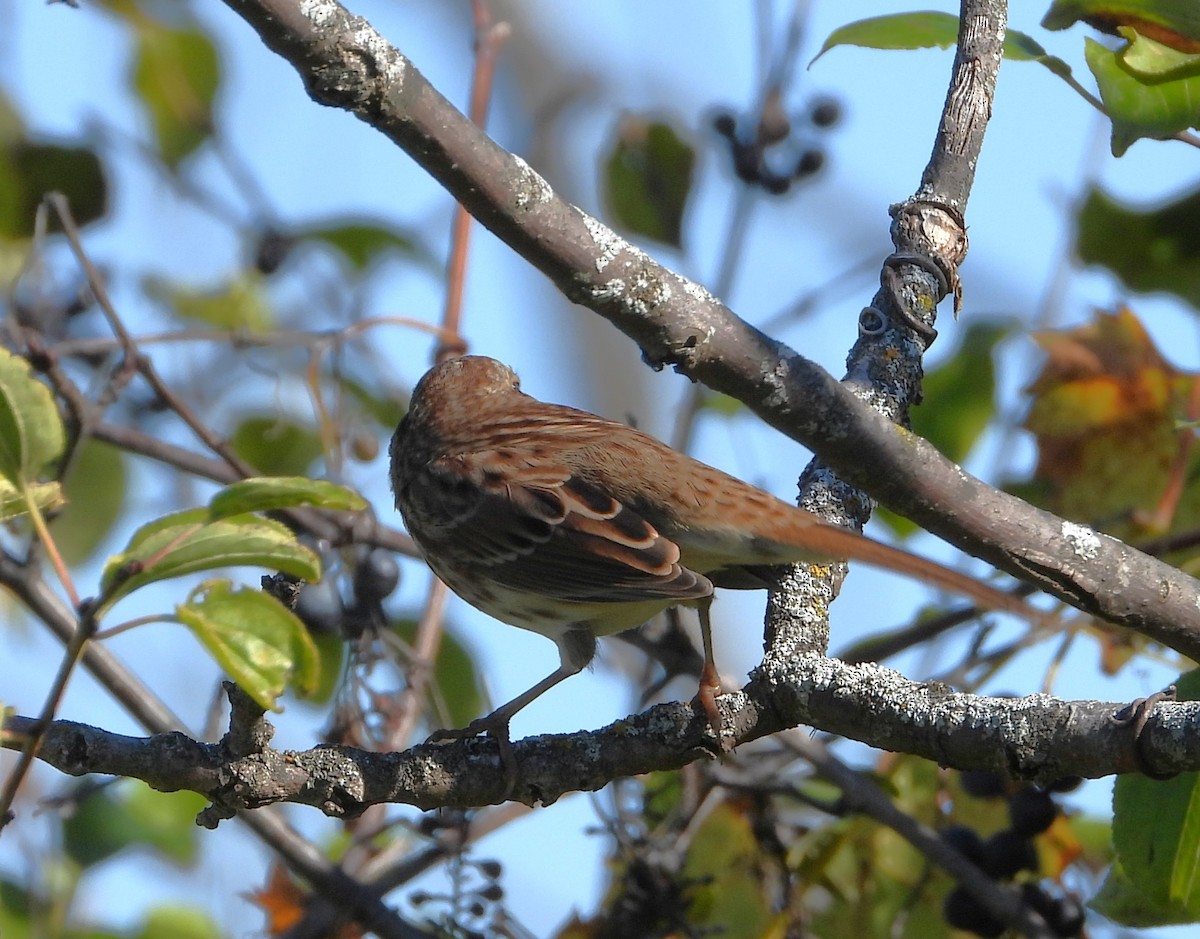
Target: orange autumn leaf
point(1058, 848)
point(281, 900)
point(1105, 412)
point(284, 902)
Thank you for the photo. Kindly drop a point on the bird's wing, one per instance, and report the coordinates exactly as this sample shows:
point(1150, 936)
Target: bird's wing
point(532, 525)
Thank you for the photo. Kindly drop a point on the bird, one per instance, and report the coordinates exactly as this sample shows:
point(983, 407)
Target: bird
point(562, 522)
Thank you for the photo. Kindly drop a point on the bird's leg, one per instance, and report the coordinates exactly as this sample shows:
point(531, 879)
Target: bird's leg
point(496, 723)
point(576, 650)
point(710, 681)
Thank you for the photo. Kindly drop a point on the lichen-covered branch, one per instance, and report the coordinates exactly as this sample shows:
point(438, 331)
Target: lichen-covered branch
point(1038, 737)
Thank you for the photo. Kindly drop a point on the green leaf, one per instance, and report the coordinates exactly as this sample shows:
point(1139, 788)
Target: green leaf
point(361, 243)
point(458, 678)
point(95, 493)
point(31, 433)
point(255, 639)
point(173, 520)
point(647, 179)
point(1124, 902)
point(720, 403)
point(1156, 833)
point(1148, 249)
point(28, 171)
point(167, 820)
point(909, 31)
point(722, 859)
point(959, 395)
point(112, 818)
point(241, 304)
point(187, 542)
point(276, 446)
point(896, 31)
point(17, 911)
point(1151, 60)
point(47, 496)
point(175, 74)
point(270, 493)
point(177, 922)
point(1141, 108)
point(331, 652)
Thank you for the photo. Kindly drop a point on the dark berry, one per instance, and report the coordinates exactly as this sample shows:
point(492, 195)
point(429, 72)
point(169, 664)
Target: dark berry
point(490, 869)
point(1032, 811)
point(376, 576)
point(272, 250)
point(745, 163)
point(983, 783)
point(320, 606)
point(810, 162)
point(776, 185)
point(364, 446)
point(725, 124)
point(966, 840)
point(1067, 918)
point(1006, 853)
point(1064, 914)
point(962, 911)
point(825, 113)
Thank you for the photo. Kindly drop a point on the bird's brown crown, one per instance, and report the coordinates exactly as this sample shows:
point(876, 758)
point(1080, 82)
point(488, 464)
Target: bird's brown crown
point(450, 398)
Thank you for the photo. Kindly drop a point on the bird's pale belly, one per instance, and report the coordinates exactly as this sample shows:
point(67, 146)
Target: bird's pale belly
point(547, 616)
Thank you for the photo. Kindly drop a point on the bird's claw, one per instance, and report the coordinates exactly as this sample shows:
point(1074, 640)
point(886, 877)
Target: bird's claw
point(706, 697)
point(477, 728)
point(498, 731)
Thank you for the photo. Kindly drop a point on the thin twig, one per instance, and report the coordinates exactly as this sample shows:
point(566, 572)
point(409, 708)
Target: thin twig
point(33, 743)
point(489, 37)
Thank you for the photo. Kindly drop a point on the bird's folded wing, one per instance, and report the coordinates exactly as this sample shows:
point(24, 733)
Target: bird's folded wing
point(533, 526)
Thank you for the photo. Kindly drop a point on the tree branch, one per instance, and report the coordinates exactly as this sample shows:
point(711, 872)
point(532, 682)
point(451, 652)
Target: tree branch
point(345, 63)
point(1038, 737)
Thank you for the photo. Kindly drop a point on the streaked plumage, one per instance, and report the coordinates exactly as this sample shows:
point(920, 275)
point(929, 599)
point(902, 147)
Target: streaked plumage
point(575, 526)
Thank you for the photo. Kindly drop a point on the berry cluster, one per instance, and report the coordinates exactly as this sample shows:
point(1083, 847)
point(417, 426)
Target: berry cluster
point(773, 154)
point(375, 575)
point(474, 908)
point(1008, 853)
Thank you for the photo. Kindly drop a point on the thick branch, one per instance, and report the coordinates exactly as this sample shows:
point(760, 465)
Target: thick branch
point(885, 367)
point(345, 63)
point(1037, 737)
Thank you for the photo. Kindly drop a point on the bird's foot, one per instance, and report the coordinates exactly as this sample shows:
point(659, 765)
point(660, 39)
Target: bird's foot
point(495, 726)
point(489, 725)
point(706, 697)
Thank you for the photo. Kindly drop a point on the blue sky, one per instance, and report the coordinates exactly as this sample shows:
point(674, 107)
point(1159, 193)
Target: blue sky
point(588, 63)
